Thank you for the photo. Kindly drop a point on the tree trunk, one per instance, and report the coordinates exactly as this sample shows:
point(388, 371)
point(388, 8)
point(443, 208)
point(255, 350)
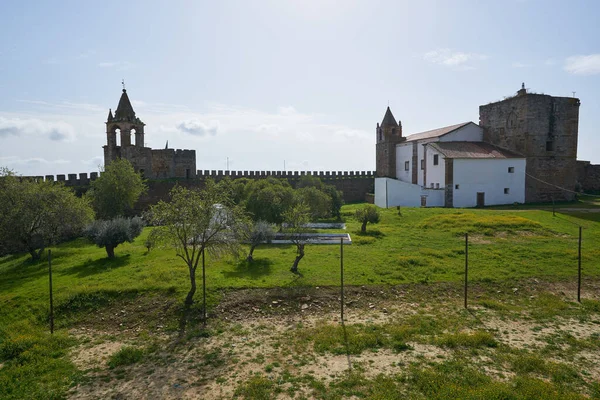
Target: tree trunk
point(299, 256)
point(250, 258)
point(35, 256)
point(363, 228)
point(110, 251)
point(190, 296)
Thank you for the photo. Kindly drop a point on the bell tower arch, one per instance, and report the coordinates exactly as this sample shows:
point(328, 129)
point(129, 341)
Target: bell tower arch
point(123, 123)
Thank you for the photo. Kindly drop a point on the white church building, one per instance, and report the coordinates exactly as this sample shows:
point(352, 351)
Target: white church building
point(446, 167)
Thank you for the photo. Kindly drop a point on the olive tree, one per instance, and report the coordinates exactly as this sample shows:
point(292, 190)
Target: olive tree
point(296, 220)
point(116, 190)
point(365, 215)
point(194, 222)
point(36, 214)
point(109, 234)
point(260, 232)
point(267, 199)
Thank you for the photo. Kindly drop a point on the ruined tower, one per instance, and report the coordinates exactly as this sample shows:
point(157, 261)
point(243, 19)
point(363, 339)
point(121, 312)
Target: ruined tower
point(544, 129)
point(389, 133)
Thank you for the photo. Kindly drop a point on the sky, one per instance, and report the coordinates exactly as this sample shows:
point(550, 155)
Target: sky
point(274, 84)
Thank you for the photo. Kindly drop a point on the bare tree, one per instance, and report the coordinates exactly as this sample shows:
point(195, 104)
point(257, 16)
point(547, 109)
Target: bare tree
point(198, 221)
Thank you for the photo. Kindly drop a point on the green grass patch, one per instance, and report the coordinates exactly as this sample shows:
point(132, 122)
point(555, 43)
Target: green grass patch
point(257, 387)
point(421, 245)
point(460, 223)
point(126, 355)
point(34, 363)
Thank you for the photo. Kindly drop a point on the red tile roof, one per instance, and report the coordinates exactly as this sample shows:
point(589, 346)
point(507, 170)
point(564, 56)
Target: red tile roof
point(472, 150)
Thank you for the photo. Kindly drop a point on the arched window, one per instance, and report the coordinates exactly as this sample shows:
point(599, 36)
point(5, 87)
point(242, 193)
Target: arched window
point(117, 133)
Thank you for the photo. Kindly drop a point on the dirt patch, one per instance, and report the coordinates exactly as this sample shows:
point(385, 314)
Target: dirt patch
point(253, 332)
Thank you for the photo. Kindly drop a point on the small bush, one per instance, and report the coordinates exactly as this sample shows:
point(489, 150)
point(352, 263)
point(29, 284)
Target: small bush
point(125, 356)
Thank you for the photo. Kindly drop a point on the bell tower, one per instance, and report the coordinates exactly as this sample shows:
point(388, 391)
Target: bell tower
point(123, 123)
point(389, 133)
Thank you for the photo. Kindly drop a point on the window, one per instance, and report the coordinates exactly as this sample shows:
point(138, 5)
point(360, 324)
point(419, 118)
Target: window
point(437, 185)
point(431, 185)
point(550, 145)
point(393, 131)
point(422, 164)
point(511, 170)
point(506, 190)
point(456, 187)
point(406, 165)
point(435, 159)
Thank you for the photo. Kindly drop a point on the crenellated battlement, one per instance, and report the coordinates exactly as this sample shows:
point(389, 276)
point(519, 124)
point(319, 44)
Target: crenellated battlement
point(80, 179)
point(84, 178)
point(325, 175)
point(353, 184)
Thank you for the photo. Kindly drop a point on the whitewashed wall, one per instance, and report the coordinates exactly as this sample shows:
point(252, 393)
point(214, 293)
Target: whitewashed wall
point(490, 176)
point(435, 173)
point(468, 133)
point(403, 154)
point(435, 197)
point(392, 193)
point(398, 193)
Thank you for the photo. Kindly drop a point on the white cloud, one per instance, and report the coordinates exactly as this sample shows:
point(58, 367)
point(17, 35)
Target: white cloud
point(65, 105)
point(453, 59)
point(583, 65)
point(30, 161)
point(120, 65)
point(198, 128)
point(56, 131)
point(287, 110)
point(518, 64)
point(549, 62)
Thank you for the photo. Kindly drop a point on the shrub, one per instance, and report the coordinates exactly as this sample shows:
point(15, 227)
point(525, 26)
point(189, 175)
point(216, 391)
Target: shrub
point(365, 215)
point(110, 234)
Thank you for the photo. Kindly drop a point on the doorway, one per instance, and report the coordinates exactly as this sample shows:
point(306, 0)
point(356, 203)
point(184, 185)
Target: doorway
point(480, 199)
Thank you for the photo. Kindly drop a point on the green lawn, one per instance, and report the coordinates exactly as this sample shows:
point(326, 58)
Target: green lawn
point(421, 245)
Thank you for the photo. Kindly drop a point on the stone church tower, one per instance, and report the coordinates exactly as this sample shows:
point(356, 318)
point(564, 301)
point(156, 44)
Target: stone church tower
point(544, 129)
point(123, 123)
point(152, 163)
point(389, 133)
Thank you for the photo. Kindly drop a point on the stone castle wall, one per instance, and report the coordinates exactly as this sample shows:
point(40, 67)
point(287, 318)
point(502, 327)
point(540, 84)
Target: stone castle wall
point(353, 184)
point(544, 129)
point(588, 176)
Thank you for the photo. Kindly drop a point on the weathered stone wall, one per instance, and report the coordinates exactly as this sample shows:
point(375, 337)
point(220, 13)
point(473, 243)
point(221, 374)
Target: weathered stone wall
point(353, 184)
point(544, 129)
point(385, 150)
point(588, 176)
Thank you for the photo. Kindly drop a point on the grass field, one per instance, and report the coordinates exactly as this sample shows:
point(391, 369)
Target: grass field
point(420, 246)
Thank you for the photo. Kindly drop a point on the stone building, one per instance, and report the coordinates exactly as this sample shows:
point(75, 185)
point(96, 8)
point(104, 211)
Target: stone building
point(152, 163)
point(523, 150)
point(544, 129)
